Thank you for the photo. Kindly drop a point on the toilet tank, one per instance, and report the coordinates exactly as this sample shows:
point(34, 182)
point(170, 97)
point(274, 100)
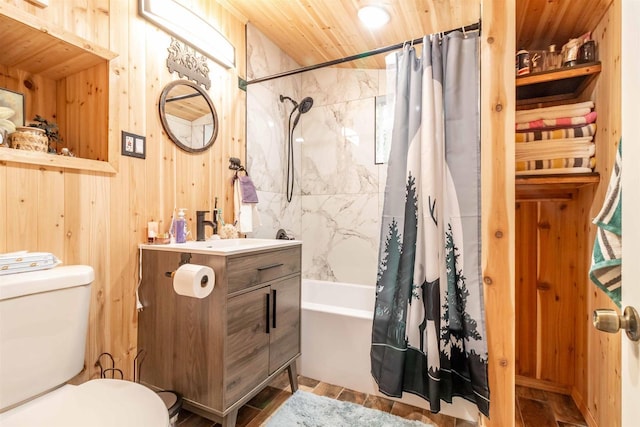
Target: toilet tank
point(43, 327)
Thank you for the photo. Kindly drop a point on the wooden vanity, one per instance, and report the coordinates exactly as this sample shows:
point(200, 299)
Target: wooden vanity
point(220, 351)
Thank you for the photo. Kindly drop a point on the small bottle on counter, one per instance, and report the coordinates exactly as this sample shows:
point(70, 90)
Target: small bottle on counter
point(181, 227)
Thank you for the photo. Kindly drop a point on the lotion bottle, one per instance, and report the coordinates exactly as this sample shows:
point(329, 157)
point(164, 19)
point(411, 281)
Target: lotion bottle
point(181, 227)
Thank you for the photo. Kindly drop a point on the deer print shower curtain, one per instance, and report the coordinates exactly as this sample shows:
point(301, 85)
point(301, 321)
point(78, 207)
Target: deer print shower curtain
point(428, 334)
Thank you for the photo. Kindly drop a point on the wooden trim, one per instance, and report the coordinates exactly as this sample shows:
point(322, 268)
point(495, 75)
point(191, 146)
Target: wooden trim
point(10, 155)
point(583, 407)
point(542, 385)
point(590, 69)
point(45, 26)
point(497, 106)
point(552, 187)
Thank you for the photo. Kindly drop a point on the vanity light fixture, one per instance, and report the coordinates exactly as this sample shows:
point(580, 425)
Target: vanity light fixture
point(185, 25)
point(373, 16)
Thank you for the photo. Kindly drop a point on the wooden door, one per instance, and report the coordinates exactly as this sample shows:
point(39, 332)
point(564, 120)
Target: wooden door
point(285, 322)
point(247, 343)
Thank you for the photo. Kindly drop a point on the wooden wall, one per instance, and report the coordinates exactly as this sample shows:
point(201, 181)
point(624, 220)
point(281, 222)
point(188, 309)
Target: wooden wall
point(99, 219)
point(497, 97)
point(597, 380)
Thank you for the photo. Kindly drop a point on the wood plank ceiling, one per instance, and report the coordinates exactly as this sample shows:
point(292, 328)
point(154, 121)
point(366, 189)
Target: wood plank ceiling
point(316, 31)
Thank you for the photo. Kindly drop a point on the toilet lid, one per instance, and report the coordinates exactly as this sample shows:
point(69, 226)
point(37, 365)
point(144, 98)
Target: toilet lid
point(96, 403)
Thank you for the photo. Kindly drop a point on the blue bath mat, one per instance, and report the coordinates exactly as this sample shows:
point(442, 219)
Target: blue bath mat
point(309, 410)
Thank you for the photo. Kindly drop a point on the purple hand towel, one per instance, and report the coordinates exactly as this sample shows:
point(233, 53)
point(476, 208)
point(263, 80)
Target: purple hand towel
point(247, 190)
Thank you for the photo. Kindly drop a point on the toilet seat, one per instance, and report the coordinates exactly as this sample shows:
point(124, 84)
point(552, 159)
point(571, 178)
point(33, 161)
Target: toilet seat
point(96, 403)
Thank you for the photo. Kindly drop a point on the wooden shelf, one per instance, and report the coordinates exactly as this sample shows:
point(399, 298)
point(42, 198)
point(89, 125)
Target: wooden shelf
point(35, 45)
point(11, 155)
point(552, 187)
point(61, 64)
point(555, 85)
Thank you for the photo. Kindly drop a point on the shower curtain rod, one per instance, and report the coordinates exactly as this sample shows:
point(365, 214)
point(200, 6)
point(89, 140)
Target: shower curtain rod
point(472, 27)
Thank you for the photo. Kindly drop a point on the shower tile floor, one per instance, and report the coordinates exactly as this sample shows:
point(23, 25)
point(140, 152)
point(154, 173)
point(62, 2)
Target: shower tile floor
point(533, 407)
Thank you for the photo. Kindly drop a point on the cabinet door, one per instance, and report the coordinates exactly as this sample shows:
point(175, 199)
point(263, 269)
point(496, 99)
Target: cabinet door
point(247, 343)
point(285, 322)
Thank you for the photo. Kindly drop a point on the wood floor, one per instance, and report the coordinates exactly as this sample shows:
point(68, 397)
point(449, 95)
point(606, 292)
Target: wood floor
point(534, 408)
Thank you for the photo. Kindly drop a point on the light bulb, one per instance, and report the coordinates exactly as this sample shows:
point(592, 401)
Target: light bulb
point(373, 16)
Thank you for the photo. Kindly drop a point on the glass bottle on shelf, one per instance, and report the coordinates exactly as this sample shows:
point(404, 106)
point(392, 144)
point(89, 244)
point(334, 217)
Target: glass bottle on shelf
point(552, 58)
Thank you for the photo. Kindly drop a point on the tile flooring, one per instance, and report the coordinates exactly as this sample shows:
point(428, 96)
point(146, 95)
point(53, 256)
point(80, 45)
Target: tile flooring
point(534, 408)
point(545, 409)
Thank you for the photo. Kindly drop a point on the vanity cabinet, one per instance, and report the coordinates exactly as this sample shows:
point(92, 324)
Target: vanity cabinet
point(263, 334)
point(221, 350)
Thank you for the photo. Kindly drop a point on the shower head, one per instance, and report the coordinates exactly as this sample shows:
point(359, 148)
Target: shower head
point(305, 105)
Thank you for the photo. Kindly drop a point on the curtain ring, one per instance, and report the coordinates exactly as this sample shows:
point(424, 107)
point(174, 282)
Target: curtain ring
point(464, 32)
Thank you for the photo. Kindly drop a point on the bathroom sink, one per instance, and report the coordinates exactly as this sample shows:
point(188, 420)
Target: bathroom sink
point(224, 246)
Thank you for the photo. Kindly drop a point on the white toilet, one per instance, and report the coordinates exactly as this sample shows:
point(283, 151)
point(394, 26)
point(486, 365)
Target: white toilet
point(43, 328)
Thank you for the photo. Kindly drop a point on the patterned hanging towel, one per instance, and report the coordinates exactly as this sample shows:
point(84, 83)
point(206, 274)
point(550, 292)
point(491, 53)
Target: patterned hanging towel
point(606, 262)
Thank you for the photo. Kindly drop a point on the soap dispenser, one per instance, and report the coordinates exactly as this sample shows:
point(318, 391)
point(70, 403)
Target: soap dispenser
point(181, 227)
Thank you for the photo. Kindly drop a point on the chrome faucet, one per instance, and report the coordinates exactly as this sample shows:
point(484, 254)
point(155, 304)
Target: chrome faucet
point(201, 223)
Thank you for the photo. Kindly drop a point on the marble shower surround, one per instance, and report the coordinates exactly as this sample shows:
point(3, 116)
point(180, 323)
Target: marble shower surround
point(338, 189)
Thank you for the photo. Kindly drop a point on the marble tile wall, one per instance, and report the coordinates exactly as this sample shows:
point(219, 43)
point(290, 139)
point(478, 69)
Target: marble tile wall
point(338, 189)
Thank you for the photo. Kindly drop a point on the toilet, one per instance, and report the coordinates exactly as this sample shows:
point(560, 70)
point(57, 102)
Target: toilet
point(44, 317)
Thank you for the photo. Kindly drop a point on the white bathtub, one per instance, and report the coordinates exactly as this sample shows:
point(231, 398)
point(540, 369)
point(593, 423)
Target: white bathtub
point(336, 339)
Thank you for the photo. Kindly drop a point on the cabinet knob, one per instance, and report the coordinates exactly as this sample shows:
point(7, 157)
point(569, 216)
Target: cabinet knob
point(610, 321)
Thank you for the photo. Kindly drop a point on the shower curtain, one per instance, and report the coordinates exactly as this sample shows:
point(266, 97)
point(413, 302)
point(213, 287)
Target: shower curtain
point(428, 334)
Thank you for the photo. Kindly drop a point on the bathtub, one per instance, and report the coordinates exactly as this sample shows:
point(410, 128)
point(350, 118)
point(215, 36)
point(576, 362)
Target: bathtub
point(336, 339)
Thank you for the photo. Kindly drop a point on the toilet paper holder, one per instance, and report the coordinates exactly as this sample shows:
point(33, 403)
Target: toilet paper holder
point(184, 259)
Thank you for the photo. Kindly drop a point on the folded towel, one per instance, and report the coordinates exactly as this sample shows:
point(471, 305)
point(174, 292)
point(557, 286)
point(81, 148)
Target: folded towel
point(555, 171)
point(572, 132)
point(23, 261)
point(556, 123)
point(248, 190)
point(553, 150)
point(566, 110)
point(570, 162)
point(606, 261)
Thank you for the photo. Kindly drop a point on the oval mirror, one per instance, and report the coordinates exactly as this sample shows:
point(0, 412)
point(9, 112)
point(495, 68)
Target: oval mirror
point(188, 116)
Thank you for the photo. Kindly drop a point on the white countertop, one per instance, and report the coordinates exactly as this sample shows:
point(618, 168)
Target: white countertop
point(223, 246)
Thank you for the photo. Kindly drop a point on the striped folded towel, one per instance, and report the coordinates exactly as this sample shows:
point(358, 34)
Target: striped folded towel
point(24, 261)
point(568, 162)
point(556, 123)
point(554, 150)
point(571, 132)
point(555, 112)
point(606, 261)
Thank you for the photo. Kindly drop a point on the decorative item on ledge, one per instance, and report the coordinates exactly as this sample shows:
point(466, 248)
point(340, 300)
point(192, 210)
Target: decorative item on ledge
point(51, 131)
point(187, 63)
point(30, 139)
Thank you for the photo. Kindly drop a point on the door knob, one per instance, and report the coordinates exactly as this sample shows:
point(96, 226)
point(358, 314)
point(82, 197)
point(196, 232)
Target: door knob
point(607, 320)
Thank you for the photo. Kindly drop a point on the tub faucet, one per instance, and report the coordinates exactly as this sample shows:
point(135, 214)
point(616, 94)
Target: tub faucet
point(201, 223)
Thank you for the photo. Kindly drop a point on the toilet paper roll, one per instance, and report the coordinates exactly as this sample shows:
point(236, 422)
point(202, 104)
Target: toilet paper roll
point(195, 281)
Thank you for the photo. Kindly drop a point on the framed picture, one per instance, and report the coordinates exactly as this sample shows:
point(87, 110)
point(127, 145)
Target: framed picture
point(384, 127)
point(134, 145)
point(14, 101)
